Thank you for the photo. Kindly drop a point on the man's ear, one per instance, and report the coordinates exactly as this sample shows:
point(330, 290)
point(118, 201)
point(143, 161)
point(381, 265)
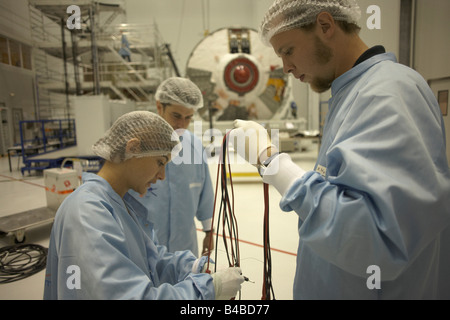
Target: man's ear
point(133, 146)
point(326, 24)
point(159, 108)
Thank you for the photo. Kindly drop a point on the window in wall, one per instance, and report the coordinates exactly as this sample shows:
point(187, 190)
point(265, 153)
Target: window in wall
point(16, 56)
point(15, 53)
point(4, 53)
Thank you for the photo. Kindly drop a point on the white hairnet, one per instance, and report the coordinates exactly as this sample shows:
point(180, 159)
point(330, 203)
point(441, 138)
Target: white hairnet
point(180, 91)
point(285, 15)
point(156, 138)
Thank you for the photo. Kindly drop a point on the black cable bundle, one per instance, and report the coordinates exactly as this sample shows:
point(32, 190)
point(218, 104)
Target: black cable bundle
point(226, 218)
point(267, 290)
point(21, 261)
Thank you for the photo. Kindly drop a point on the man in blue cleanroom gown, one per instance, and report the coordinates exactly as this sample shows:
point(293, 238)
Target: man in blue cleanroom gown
point(374, 215)
point(186, 193)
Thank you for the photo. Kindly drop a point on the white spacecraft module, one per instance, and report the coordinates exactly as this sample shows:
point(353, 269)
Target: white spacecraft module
point(240, 77)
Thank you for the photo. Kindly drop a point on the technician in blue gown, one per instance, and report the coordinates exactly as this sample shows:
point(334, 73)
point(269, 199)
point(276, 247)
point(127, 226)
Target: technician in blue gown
point(103, 247)
point(124, 50)
point(186, 194)
point(374, 215)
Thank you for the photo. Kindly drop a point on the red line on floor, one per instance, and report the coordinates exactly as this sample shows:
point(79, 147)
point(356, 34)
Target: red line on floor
point(258, 245)
point(24, 181)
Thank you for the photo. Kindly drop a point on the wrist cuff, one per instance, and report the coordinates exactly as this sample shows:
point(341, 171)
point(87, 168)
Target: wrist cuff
point(282, 172)
point(264, 156)
point(206, 224)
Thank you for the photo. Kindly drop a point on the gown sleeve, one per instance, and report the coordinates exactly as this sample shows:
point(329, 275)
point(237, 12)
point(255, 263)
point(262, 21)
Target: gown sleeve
point(114, 266)
point(206, 199)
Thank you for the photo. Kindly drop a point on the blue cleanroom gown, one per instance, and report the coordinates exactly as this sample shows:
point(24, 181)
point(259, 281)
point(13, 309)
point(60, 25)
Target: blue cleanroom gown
point(96, 239)
point(380, 194)
point(124, 50)
point(186, 193)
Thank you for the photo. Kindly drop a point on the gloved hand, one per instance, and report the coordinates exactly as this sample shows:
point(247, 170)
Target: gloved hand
point(227, 283)
point(251, 141)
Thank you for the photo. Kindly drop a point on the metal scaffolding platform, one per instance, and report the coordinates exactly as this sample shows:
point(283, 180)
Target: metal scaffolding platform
point(86, 61)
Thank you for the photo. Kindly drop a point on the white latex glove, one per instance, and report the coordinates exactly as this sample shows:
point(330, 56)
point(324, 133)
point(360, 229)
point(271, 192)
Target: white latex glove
point(227, 283)
point(251, 141)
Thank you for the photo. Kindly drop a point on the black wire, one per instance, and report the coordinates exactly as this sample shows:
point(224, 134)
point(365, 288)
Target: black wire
point(21, 261)
point(226, 218)
point(268, 288)
point(227, 211)
point(234, 232)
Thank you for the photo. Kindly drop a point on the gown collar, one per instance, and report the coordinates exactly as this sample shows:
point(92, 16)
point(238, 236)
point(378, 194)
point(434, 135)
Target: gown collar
point(358, 70)
point(369, 54)
point(134, 206)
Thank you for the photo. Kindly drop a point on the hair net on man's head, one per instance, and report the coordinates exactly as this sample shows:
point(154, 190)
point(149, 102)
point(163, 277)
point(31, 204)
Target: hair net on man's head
point(156, 138)
point(180, 91)
point(285, 15)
